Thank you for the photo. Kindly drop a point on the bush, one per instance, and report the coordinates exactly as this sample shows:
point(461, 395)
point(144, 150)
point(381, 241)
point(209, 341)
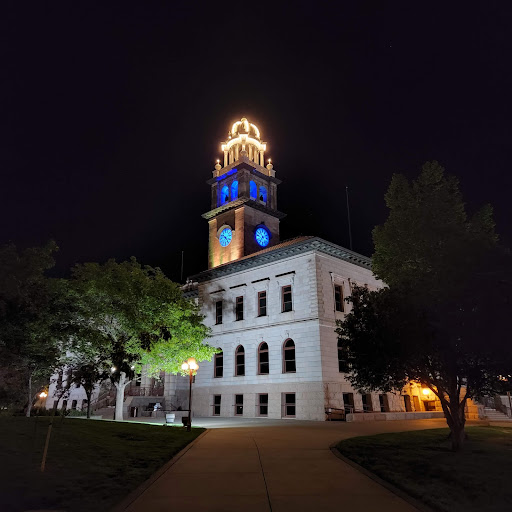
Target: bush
point(76, 413)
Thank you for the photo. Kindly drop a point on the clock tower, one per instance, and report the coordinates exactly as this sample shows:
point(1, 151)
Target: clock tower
point(243, 218)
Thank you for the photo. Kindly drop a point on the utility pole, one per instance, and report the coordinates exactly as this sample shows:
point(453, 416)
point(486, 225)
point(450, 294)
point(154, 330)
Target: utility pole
point(348, 216)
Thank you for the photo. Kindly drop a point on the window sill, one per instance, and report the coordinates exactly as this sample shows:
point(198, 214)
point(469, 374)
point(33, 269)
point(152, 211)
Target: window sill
point(291, 372)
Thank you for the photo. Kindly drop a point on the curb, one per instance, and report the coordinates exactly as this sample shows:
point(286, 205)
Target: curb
point(390, 487)
point(128, 500)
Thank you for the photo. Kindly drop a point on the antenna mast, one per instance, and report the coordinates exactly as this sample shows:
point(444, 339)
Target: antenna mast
point(348, 216)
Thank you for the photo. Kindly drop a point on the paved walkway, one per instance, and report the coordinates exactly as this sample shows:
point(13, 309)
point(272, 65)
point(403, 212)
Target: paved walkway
point(277, 467)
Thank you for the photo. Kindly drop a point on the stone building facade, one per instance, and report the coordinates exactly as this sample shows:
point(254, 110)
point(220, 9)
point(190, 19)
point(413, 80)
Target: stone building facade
point(272, 305)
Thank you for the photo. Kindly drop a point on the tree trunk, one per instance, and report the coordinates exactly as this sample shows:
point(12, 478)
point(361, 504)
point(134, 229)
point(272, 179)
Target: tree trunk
point(456, 418)
point(88, 394)
point(29, 406)
point(120, 385)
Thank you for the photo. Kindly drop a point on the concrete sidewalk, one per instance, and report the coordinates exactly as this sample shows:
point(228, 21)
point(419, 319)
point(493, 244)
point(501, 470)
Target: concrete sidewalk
point(276, 468)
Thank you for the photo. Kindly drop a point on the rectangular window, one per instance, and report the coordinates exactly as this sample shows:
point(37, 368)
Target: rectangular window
point(338, 297)
point(348, 402)
point(218, 364)
point(286, 298)
point(64, 404)
point(218, 312)
point(262, 303)
point(289, 405)
point(239, 308)
point(263, 405)
point(239, 405)
point(216, 405)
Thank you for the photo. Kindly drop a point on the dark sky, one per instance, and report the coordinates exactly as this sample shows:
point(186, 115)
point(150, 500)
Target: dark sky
point(112, 115)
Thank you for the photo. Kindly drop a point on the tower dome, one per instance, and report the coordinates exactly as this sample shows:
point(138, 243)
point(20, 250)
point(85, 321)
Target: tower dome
point(244, 127)
point(244, 140)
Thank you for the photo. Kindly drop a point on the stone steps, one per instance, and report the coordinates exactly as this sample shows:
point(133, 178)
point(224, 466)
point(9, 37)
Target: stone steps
point(494, 415)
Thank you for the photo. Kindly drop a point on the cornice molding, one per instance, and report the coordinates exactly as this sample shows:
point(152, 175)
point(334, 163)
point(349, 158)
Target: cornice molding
point(270, 256)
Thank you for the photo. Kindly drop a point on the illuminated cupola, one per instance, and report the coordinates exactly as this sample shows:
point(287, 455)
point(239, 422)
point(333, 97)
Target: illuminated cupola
point(244, 136)
point(243, 218)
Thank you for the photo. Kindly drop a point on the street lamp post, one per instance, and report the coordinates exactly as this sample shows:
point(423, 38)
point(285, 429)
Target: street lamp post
point(191, 366)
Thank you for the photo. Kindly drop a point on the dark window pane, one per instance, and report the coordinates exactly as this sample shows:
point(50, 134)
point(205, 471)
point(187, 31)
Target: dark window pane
point(264, 368)
point(218, 312)
point(262, 304)
point(240, 361)
point(290, 410)
point(338, 298)
point(263, 399)
point(290, 398)
point(287, 298)
point(219, 365)
point(239, 404)
point(290, 366)
point(263, 410)
point(239, 308)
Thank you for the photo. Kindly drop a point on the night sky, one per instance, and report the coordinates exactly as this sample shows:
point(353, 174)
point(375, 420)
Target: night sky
point(112, 116)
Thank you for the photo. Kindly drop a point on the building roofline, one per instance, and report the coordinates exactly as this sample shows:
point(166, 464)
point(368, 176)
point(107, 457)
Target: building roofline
point(281, 251)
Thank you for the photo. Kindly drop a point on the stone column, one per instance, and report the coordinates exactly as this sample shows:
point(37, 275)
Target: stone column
point(225, 157)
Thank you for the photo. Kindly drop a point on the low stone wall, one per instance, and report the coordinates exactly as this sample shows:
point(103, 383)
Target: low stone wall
point(390, 416)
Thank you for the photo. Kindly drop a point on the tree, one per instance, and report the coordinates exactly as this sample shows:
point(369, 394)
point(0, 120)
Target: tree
point(34, 318)
point(442, 320)
point(132, 316)
point(88, 374)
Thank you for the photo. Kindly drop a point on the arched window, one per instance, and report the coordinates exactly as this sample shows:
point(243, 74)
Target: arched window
point(218, 364)
point(343, 366)
point(253, 190)
point(224, 195)
point(263, 194)
point(234, 190)
point(263, 363)
point(289, 357)
point(239, 361)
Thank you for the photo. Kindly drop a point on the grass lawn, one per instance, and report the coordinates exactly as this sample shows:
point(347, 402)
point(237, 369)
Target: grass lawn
point(421, 464)
point(91, 465)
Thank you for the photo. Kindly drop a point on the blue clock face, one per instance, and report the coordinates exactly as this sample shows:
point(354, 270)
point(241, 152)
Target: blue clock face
point(262, 237)
point(225, 237)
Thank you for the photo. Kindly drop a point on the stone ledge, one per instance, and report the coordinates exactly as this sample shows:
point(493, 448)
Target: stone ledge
point(390, 416)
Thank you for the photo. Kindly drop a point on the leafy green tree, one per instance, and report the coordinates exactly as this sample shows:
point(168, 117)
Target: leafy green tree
point(132, 316)
point(442, 320)
point(34, 318)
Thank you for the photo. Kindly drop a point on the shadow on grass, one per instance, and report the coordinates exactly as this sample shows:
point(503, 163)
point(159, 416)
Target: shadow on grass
point(422, 464)
point(91, 465)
